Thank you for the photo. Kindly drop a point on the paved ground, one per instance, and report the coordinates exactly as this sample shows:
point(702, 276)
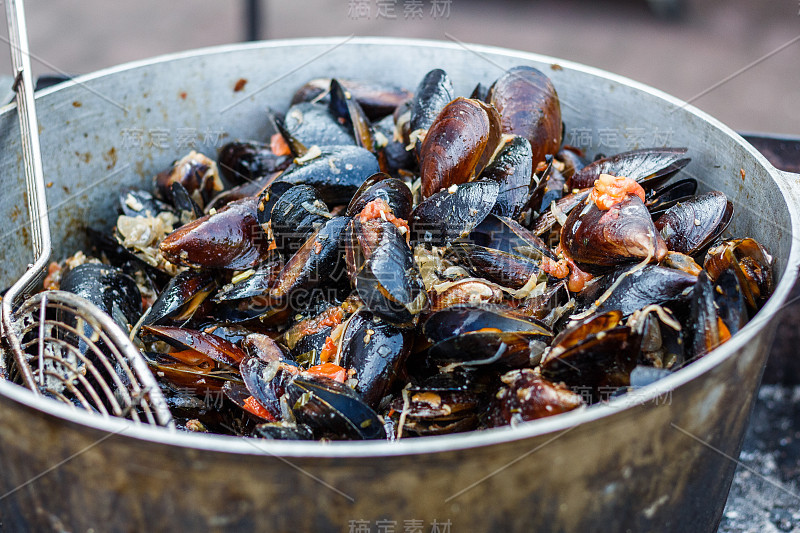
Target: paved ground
point(714, 40)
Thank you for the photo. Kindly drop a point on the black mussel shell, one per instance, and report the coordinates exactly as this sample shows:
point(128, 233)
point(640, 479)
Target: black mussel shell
point(526, 395)
point(296, 213)
point(651, 167)
point(336, 173)
point(107, 287)
point(601, 359)
point(313, 124)
point(638, 288)
point(317, 265)
point(597, 240)
point(245, 161)
point(691, 225)
point(391, 190)
point(433, 93)
point(512, 168)
point(661, 199)
point(506, 235)
point(376, 351)
point(377, 99)
point(283, 431)
point(452, 213)
point(181, 297)
point(751, 263)
point(505, 269)
point(257, 283)
point(332, 409)
point(389, 283)
point(267, 381)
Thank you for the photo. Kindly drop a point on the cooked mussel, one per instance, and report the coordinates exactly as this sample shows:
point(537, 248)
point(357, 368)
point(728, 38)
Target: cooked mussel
point(458, 145)
point(693, 224)
point(526, 395)
point(528, 106)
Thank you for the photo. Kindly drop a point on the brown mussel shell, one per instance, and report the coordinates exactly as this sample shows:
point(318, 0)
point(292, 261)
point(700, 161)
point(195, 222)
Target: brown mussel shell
point(526, 395)
point(458, 145)
point(528, 106)
point(231, 239)
point(597, 240)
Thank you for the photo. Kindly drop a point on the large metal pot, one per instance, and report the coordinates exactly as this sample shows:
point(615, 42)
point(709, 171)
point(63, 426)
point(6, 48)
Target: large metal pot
point(661, 459)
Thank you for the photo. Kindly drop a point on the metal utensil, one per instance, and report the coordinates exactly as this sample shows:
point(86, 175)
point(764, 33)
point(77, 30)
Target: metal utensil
point(62, 345)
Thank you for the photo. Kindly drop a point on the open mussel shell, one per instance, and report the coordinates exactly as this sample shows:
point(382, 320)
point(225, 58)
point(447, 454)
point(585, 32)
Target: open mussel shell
point(231, 239)
point(200, 379)
point(376, 351)
point(437, 413)
point(264, 347)
point(317, 266)
point(529, 107)
point(295, 214)
point(393, 191)
point(506, 235)
point(266, 381)
point(749, 261)
point(181, 297)
point(332, 409)
point(552, 218)
point(526, 395)
point(204, 343)
point(196, 172)
point(512, 168)
point(433, 93)
point(254, 282)
point(347, 111)
point(389, 283)
point(466, 291)
point(597, 240)
point(377, 99)
point(691, 225)
point(505, 269)
point(572, 159)
point(708, 328)
point(138, 203)
point(635, 289)
point(452, 213)
point(185, 205)
point(476, 336)
point(245, 161)
point(651, 167)
point(336, 173)
point(597, 352)
point(663, 198)
point(313, 124)
point(458, 145)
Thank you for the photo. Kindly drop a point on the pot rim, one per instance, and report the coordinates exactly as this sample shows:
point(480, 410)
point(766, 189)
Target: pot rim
point(445, 443)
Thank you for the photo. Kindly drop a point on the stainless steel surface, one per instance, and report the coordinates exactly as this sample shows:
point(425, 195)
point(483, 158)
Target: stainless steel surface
point(78, 353)
point(655, 460)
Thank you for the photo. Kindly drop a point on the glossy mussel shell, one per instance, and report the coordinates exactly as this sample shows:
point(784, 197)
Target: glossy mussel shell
point(458, 145)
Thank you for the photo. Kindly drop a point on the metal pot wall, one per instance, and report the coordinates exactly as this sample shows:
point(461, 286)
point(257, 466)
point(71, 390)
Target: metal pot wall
point(656, 460)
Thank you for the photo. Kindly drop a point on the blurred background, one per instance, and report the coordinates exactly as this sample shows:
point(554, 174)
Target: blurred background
point(736, 59)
